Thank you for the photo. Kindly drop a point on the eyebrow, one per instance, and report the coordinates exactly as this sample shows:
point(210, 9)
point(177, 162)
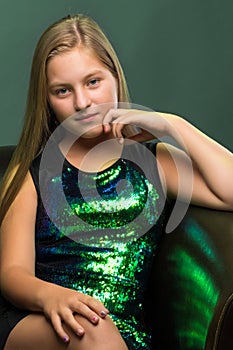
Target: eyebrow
point(96, 71)
point(86, 77)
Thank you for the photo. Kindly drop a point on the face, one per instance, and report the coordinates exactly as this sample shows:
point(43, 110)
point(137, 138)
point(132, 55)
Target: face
point(77, 81)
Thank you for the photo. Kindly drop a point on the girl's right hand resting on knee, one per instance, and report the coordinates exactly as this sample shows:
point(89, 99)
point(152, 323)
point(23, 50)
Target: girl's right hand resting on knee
point(61, 304)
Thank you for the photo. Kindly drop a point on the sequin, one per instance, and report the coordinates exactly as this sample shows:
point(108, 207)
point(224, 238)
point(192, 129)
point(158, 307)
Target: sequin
point(114, 269)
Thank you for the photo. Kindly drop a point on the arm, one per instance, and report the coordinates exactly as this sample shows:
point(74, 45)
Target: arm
point(207, 182)
point(212, 165)
point(17, 269)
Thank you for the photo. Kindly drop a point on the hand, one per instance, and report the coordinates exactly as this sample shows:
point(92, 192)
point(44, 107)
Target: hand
point(60, 305)
point(152, 124)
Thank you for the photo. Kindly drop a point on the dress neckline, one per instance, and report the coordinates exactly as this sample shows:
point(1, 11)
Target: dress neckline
point(68, 164)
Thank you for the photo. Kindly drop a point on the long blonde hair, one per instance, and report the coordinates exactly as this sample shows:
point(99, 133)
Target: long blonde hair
point(40, 121)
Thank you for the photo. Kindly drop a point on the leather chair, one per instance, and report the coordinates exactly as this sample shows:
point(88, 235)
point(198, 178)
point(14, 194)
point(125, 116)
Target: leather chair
point(189, 304)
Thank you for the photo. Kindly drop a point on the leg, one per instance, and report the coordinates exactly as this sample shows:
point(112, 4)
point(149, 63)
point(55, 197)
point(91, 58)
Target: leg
point(35, 332)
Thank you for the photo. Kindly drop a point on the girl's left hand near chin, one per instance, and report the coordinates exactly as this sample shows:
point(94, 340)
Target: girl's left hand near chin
point(152, 124)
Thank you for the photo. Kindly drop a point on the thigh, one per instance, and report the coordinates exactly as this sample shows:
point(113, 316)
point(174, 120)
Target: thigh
point(9, 317)
point(35, 332)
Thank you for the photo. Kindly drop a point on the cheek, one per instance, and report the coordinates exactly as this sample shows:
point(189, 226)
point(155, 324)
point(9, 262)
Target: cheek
point(52, 103)
point(114, 94)
point(59, 107)
point(115, 91)
point(110, 93)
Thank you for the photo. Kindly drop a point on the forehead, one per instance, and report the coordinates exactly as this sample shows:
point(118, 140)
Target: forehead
point(78, 59)
point(78, 55)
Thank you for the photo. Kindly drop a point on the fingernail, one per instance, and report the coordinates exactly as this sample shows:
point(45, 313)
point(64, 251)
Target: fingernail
point(94, 318)
point(66, 339)
point(106, 127)
point(103, 313)
point(80, 331)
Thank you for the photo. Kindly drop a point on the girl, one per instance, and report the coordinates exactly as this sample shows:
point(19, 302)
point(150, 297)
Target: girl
point(74, 277)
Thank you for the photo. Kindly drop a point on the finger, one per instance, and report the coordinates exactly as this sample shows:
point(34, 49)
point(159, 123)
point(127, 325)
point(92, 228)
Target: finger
point(117, 129)
point(116, 120)
point(107, 121)
point(69, 319)
point(57, 325)
point(96, 306)
point(113, 114)
point(85, 311)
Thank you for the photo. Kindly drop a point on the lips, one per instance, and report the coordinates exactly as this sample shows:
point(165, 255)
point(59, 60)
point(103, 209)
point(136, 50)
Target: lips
point(86, 117)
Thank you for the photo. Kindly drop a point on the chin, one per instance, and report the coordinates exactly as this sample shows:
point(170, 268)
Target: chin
point(93, 133)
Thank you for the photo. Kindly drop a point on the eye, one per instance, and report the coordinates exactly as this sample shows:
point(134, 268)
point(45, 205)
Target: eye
point(62, 91)
point(93, 82)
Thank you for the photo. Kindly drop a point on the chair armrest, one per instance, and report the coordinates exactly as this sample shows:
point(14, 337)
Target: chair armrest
point(192, 283)
point(224, 338)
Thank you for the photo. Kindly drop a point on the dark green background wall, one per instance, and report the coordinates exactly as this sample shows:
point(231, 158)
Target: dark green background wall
point(177, 55)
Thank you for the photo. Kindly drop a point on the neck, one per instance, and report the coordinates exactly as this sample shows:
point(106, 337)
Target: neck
point(92, 154)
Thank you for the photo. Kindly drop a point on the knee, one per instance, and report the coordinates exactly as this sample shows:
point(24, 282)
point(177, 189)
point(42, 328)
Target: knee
point(103, 335)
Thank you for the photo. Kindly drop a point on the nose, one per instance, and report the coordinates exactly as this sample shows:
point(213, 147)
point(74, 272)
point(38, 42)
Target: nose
point(82, 99)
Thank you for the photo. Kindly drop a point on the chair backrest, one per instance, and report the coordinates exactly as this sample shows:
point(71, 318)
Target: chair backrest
point(5, 156)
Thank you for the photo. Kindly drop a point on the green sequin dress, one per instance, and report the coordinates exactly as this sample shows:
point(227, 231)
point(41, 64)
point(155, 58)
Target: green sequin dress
point(103, 240)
